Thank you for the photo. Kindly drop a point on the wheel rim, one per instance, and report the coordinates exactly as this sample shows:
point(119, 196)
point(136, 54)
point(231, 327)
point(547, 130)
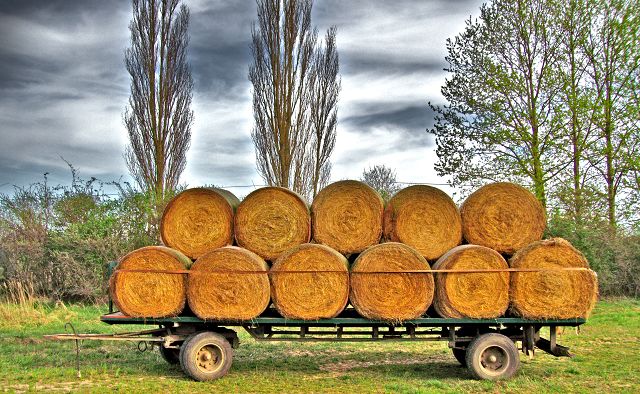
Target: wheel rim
point(494, 360)
point(209, 358)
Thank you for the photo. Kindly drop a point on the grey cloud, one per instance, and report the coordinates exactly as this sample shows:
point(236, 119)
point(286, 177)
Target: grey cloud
point(340, 11)
point(408, 122)
point(355, 62)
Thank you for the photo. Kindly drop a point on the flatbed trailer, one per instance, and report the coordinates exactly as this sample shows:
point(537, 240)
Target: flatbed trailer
point(489, 348)
point(204, 349)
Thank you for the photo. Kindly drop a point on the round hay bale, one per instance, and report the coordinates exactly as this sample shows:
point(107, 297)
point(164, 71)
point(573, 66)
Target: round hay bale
point(390, 296)
point(215, 295)
point(310, 296)
point(482, 295)
point(150, 294)
point(198, 220)
point(502, 216)
point(271, 220)
point(347, 216)
point(552, 294)
point(425, 218)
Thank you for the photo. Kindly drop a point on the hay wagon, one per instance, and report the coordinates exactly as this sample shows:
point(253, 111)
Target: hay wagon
point(204, 349)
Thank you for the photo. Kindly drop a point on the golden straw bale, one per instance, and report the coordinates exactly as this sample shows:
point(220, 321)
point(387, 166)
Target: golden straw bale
point(310, 296)
point(482, 295)
point(233, 295)
point(150, 294)
point(502, 216)
point(347, 216)
point(391, 296)
point(552, 294)
point(271, 220)
point(198, 220)
point(425, 218)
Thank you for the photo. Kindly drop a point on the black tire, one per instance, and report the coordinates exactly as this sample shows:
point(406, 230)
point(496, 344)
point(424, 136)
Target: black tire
point(170, 355)
point(460, 355)
point(206, 356)
point(492, 357)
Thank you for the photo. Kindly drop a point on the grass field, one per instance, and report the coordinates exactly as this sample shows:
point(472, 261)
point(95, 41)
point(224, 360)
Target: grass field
point(607, 349)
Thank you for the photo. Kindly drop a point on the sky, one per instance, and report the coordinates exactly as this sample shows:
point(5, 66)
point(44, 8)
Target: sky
point(64, 88)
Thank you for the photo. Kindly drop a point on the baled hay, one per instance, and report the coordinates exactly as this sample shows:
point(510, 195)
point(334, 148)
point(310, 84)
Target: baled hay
point(347, 216)
point(502, 216)
point(198, 220)
point(482, 295)
point(150, 294)
point(552, 294)
point(231, 295)
point(424, 218)
point(310, 296)
point(271, 220)
point(391, 296)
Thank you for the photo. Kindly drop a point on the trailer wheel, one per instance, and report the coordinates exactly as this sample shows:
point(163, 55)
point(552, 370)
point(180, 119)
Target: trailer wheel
point(170, 355)
point(492, 357)
point(206, 356)
point(460, 355)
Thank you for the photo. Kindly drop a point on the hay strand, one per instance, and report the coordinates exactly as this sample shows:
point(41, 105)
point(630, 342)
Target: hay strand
point(502, 216)
point(424, 218)
point(552, 294)
point(271, 220)
point(198, 220)
point(310, 296)
point(228, 295)
point(149, 294)
point(347, 216)
point(394, 297)
point(471, 295)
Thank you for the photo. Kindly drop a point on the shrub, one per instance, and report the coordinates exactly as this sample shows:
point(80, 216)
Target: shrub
point(56, 240)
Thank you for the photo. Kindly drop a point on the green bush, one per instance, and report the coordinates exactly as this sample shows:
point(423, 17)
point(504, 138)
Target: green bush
point(615, 256)
point(57, 239)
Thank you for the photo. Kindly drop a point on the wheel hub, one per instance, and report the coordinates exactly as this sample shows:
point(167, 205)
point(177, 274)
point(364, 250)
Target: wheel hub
point(209, 358)
point(493, 359)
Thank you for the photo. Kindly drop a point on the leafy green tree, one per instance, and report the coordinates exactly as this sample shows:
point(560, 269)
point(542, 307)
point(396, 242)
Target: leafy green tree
point(575, 189)
point(500, 121)
point(613, 53)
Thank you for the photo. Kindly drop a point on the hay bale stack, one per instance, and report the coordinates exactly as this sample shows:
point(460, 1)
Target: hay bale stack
point(502, 216)
point(552, 294)
point(347, 216)
point(150, 294)
point(391, 296)
point(215, 295)
point(271, 220)
point(198, 220)
point(310, 296)
point(424, 218)
point(471, 295)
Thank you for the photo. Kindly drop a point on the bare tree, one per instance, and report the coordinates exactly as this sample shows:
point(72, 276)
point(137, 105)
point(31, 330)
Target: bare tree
point(324, 111)
point(294, 99)
point(381, 178)
point(159, 116)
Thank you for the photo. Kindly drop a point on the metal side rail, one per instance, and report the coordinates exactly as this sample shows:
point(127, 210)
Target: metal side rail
point(346, 321)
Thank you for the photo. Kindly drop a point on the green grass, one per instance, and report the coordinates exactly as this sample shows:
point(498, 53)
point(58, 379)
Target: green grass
point(607, 349)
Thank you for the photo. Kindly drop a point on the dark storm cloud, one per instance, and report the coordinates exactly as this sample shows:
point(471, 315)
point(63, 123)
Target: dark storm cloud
point(219, 47)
